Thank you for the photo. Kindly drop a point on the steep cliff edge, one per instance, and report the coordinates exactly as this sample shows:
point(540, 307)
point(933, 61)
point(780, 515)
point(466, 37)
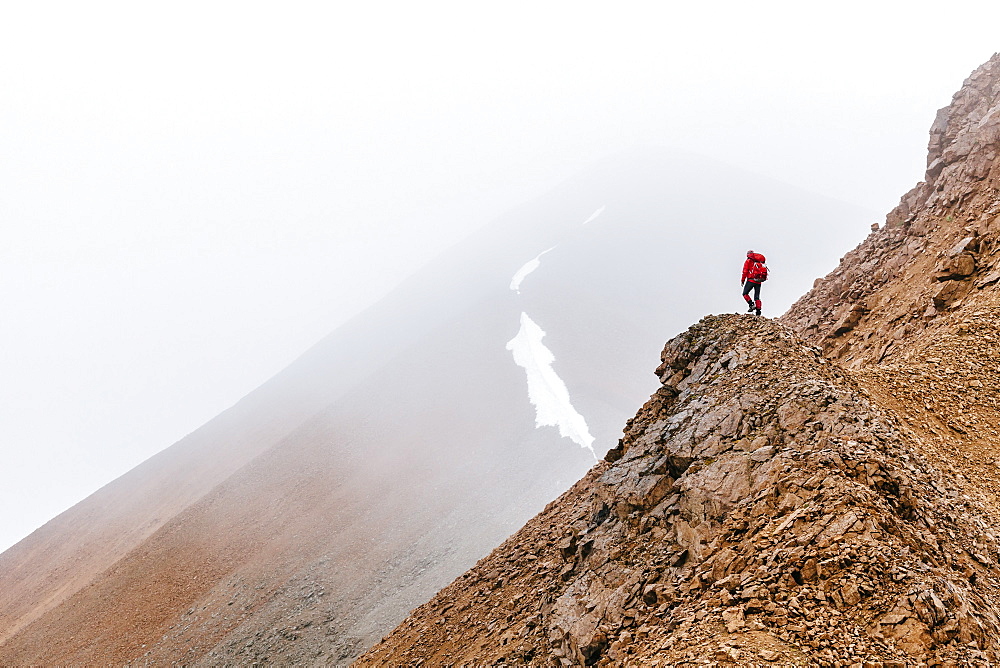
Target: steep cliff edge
point(762, 507)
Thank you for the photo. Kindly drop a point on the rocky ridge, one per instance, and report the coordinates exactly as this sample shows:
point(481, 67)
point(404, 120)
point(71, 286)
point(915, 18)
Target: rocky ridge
point(938, 255)
point(817, 491)
point(762, 507)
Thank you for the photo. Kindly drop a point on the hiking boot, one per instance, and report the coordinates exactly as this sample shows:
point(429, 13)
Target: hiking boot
point(758, 311)
point(750, 310)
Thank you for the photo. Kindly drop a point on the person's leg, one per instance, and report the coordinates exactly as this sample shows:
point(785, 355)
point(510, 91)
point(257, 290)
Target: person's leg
point(747, 286)
point(756, 297)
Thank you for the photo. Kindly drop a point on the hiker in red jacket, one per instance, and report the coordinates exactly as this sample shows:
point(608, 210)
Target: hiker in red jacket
point(754, 273)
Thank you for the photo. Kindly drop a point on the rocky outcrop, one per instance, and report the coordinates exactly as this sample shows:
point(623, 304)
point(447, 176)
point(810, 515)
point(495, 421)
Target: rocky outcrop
point(939, 249)
point(762, 507)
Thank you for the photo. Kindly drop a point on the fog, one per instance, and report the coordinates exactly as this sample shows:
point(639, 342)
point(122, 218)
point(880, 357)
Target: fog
point(191, 195)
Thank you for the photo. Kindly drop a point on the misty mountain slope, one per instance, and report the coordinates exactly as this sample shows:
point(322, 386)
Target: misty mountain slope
point(135, 505)
point(822, 490)
point(67, 552)
point(45, 567)
point(402, 448)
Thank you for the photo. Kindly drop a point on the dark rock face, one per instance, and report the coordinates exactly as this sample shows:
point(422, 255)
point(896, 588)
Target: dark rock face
point(763, 508)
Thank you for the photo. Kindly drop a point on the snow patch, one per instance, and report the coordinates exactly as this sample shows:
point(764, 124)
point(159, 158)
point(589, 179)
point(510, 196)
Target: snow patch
point(530, 266)
point(546, 390)
point(595, 214)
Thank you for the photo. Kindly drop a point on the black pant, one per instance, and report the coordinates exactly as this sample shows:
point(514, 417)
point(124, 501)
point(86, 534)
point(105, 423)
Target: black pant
point(750, 285)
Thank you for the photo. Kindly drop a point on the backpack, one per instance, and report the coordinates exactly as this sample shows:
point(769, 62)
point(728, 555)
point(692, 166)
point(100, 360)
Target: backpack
point(758, 272)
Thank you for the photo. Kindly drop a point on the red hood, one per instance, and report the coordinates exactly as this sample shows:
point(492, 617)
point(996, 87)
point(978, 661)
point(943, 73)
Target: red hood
point(756, 257)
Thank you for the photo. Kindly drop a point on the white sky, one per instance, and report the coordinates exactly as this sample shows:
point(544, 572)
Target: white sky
point(192, 193)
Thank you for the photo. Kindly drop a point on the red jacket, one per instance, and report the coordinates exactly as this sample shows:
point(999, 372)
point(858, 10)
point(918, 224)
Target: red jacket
point(751, 259)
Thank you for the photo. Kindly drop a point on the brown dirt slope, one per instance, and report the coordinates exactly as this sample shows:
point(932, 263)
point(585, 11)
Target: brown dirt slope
point(58, 560)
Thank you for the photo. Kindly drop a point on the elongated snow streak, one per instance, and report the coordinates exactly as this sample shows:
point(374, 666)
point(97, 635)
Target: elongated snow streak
point(595, 214)
point(546, 390)
point(529, 266)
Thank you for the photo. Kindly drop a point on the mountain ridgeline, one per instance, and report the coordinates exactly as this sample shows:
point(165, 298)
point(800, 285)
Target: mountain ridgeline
point(817, 490)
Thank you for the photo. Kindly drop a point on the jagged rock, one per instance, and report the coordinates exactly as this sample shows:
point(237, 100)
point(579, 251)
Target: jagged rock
point(850, 320)
point(942, 230)
point(957, 267)
point(948, 293)
point(734, 619)
point(966, 245)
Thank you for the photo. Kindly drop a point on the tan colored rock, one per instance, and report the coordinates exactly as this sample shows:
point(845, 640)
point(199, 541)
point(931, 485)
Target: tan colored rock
point(734, 619)
point(957, 267)
point(948, 293)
